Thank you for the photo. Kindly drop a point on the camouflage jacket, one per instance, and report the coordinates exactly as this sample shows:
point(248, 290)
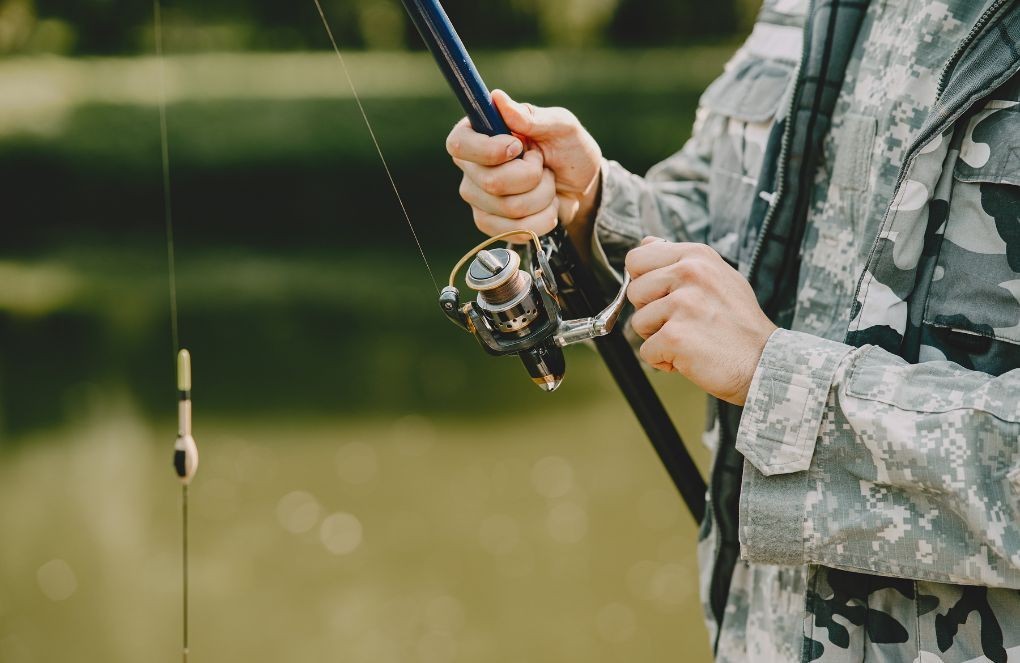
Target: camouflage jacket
point(860, 163)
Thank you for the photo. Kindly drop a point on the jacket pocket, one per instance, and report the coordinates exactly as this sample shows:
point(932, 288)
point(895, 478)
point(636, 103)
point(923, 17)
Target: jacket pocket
point(972, 315)
point(738, 111)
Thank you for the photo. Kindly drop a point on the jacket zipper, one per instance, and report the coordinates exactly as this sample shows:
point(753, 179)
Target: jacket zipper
point(971, 36)
point(946, 118)
point(784, 150)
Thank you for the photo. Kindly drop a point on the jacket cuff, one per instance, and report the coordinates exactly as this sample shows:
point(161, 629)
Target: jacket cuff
point(777, 435)
point(786, 401)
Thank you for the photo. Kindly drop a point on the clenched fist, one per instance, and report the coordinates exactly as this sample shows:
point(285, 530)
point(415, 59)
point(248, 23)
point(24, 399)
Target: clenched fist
point(557, 178)
point(698, 316)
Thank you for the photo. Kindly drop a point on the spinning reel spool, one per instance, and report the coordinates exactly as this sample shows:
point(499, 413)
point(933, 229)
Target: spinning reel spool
point(517, 311)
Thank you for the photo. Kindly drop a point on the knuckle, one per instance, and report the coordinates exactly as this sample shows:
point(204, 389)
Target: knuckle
point(704, 251)
point(482, 219)
point(465, 189)
point(453, 144)
point(640, 328)
point(563, 119)
point(672, 332)
point(485, 222)
point(681, 269)
point(491, 183)
point(513, 207)
point(630, 260)
point(678, 298)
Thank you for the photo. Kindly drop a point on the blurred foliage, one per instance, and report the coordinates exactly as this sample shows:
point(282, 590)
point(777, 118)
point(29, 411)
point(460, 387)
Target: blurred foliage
point(263, 143)
point(296, 270)
point(125, 26)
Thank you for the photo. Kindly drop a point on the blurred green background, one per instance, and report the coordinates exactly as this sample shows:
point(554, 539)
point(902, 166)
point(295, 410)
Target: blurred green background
point(373, 487)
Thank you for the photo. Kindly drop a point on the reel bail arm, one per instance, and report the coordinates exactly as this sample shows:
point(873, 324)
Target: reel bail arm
point(586, 329)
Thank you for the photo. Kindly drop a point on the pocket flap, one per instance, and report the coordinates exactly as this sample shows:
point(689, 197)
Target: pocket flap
point(750, 90)
point(990, 151)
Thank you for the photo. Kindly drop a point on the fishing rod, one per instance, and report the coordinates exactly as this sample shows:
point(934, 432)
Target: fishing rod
point(521, 304)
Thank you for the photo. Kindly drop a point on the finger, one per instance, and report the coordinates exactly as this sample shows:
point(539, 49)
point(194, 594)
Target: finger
point(517, 206)
point(652, 286)
point(467, 144)
point(650, 319)
point(540, 223)
point(655, 255)
point(650, 239)
point(658, 353)
point(512, 177)
point(536, 122)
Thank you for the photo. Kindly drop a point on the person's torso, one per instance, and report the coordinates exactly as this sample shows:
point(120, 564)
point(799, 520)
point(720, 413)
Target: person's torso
point(877, 265)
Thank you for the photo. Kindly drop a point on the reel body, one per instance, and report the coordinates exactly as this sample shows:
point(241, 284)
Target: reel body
point(517, 311)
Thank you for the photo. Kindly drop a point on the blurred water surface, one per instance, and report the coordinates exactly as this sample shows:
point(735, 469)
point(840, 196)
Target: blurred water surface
point(373, 487)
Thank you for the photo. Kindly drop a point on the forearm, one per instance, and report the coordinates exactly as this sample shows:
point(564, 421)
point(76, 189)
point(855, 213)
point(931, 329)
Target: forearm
point(859, 460)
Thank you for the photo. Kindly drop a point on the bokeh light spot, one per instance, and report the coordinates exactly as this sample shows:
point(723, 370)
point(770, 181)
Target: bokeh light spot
point(57, 580)
point(341, 533)
point(552, 477)
point(639, 578)
point(298, 512)
point(616, 622)
point(672, 584)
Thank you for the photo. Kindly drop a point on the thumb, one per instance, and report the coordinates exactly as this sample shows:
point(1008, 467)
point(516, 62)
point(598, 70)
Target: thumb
point(527, 120)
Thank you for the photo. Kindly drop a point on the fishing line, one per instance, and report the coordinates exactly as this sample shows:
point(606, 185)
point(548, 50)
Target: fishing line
point(165, 154)
point(371, 132)
point(172, 280)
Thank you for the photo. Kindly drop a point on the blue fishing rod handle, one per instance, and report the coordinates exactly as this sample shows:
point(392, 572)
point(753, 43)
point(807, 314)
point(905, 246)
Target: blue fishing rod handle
point(448, 50)
point(453, 59)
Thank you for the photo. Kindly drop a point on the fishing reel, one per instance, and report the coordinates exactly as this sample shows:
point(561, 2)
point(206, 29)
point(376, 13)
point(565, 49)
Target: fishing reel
point(517, 310)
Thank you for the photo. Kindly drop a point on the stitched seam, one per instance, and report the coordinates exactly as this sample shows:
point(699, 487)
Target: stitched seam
point(917, 621)
point(1005, 418)
point(938, 254)
point(973, 332)
point(865, 352)
point(850, 562)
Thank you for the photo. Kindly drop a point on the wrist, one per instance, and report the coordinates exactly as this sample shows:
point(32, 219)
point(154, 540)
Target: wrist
point(581, 226)
point(749, 369)
point(589, 200)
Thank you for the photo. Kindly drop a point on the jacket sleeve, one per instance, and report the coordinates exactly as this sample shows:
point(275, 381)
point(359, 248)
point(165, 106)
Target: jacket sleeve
point(670, 202)
point(858, 460)
point(704, 192)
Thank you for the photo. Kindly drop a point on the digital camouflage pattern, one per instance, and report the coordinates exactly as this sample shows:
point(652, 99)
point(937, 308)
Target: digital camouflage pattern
point(879, 516)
